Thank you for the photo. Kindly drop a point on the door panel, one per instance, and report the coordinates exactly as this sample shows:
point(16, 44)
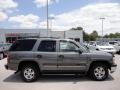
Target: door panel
point(47, 60)
point(72, 61)
point(69, 58)
point(46, 55)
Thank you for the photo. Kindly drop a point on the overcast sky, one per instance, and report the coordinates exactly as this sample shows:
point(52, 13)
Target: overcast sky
point(66, 13)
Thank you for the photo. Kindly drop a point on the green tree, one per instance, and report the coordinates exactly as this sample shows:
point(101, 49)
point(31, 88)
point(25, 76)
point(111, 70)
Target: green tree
point(112, 35)
point(106, 36)
point(86, 36)
point(77, 28)
point(93, 35)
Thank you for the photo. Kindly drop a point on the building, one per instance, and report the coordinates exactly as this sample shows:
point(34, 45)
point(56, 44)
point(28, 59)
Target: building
point(10, 35)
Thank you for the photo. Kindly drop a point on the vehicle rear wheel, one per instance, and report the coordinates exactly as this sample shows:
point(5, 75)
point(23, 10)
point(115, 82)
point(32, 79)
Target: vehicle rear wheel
point(1, 56)
point(29, 73)
point(99, 72)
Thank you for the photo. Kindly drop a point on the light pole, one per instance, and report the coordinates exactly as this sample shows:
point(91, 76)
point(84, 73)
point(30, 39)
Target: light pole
point(47, 16)
point(102, 25)
point(51, 18)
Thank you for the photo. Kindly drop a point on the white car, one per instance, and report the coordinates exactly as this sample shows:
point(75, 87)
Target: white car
point(102, 46)
point(116, 45)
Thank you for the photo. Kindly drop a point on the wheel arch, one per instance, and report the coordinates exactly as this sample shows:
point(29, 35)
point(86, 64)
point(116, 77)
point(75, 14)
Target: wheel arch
point(100, 61)
point(22, 63)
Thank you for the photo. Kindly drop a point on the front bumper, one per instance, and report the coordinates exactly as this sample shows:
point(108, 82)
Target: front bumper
point(113, 54)
point(113, 68)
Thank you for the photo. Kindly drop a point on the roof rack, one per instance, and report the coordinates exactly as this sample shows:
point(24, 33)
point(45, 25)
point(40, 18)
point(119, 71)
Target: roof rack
point(40, 37)
point(50, 37)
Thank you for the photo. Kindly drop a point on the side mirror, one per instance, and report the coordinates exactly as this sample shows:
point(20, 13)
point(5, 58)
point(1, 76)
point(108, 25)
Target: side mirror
point(80, 52)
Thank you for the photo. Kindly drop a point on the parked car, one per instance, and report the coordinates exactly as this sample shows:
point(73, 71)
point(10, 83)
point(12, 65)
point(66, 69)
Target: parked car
point(32, 57)
point(3, 49)
point(84, 45)
point(102, 46)
point(92, 45)
point(116, 45)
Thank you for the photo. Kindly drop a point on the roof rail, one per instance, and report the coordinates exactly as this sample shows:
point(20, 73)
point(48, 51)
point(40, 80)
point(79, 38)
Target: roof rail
point(41, 37)
point(49, 37)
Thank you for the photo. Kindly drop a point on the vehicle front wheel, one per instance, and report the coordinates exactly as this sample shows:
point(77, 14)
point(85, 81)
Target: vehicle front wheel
point(29, 73)
point(119, 52)
point(99, 72)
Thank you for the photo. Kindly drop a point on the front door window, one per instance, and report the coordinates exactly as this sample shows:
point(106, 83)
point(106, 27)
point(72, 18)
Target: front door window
point(66, 46)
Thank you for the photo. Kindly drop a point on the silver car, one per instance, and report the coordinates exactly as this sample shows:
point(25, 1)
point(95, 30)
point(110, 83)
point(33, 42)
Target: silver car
point(33, 57)
point(3, 49)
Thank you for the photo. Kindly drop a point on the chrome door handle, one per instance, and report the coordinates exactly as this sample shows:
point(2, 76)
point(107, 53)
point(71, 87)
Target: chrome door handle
point(61, 56)
point(39, 56)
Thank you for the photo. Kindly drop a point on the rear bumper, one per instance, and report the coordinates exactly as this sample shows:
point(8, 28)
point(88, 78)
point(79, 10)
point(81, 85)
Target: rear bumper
point(11, 66)
point(113, 68)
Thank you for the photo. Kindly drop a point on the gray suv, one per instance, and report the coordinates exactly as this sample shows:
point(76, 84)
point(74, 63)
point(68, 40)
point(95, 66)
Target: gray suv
point(33, 57)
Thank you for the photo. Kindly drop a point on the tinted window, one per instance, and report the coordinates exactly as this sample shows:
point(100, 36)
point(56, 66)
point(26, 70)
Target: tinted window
point(113, 43)
point(47, 46)
point(23, 45)
point(67, 46)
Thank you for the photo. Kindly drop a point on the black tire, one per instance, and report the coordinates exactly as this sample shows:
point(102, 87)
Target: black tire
point(35, 74)
point(101, 75)
point(119, 52)
point(4, 55)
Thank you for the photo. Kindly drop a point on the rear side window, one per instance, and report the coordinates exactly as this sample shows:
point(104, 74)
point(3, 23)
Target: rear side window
point(47, 46)
point(23, 45)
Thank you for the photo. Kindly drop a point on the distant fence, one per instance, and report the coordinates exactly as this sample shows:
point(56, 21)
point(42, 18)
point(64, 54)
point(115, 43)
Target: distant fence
point(108, 39)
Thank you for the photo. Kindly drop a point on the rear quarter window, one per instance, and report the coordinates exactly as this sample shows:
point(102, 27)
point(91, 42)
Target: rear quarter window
point(23, 45)
point(47, 46)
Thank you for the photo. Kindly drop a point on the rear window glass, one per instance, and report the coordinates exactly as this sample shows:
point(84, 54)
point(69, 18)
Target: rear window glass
point(22, 45)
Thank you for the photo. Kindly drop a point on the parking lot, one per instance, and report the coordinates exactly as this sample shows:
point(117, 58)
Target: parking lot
point(11, 81)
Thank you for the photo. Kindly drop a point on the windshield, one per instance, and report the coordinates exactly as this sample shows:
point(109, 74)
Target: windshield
point(83, 47)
